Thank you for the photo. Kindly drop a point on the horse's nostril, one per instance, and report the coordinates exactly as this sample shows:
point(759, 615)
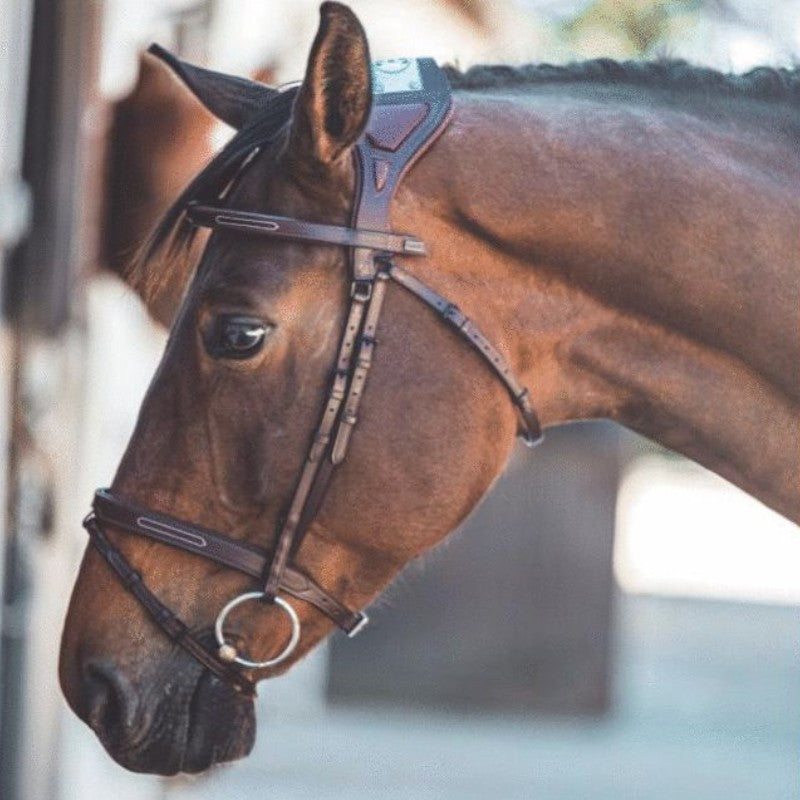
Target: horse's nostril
point(108, 701)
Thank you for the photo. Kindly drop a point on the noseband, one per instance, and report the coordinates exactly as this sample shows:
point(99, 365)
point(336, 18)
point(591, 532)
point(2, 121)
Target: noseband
point(403, 124)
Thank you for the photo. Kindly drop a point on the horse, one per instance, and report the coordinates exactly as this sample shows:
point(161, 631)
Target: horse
point(626, 237)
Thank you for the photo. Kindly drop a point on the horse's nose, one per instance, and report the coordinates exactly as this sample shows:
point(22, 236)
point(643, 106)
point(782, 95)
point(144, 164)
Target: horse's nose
point(109, 702)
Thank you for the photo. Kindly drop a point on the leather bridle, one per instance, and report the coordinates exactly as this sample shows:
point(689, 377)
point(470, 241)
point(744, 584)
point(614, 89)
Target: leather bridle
point(402, 126)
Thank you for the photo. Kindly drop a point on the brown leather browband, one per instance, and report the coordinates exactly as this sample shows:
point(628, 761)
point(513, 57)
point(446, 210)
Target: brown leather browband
point(402, 126)
point(299, 230)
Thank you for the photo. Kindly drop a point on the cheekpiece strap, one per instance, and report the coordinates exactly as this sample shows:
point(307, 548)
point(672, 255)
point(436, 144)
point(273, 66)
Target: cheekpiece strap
point(411, 107)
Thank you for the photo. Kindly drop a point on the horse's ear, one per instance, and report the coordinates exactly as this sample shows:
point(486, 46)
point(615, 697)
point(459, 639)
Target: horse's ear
point(333, 104)
point(229, 98)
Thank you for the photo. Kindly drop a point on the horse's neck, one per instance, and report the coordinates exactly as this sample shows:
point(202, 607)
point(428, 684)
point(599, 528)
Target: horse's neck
point(650, 259)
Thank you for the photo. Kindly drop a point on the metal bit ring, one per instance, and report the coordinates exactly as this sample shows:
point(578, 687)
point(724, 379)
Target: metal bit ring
point(227, 652)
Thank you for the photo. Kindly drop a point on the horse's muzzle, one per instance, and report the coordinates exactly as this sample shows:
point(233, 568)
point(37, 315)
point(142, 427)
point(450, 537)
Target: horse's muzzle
point(185, 723)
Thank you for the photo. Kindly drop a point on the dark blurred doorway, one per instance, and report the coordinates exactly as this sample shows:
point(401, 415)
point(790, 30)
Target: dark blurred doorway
point(515, 613)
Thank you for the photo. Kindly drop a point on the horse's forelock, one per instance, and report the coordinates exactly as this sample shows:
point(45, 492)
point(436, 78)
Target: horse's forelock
point(166, 255)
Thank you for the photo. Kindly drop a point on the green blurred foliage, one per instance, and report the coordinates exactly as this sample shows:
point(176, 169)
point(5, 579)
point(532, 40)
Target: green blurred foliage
point(628, 28)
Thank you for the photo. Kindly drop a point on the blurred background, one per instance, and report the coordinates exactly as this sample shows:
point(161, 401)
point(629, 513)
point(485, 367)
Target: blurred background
point(642, 638)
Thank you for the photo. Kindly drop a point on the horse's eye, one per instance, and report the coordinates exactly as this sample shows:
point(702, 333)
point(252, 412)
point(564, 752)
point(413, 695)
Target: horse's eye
point(236, 336)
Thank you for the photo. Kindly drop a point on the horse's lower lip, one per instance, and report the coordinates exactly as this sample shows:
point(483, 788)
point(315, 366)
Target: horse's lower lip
point(206, 724)
point(221, 725)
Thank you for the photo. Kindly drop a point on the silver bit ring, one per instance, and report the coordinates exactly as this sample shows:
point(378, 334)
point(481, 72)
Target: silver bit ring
point(228, 652)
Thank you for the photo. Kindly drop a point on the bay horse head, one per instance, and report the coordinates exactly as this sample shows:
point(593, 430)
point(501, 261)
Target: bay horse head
point(231, 421)
point(235, 535)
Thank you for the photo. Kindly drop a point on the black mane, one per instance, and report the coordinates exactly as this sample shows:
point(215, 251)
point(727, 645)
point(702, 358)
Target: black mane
point(762, 83)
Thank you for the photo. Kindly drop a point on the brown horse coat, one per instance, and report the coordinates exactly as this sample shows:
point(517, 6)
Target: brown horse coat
point(627, 235)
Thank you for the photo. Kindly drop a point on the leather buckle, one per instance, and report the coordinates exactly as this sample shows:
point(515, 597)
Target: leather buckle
point(453, 314)
point(361, 290)
point(531, 439)
point(362, 623)
point(339, 384)
point(532, 433)
point(414, 247)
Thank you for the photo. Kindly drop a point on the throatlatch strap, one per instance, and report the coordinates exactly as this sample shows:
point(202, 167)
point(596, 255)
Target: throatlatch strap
point(450, 312)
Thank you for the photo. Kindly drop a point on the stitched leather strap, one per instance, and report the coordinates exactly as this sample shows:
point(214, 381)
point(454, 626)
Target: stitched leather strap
point(361, 367)
point(291, 531)
point(532, 432)
point(402, 126)
point(173, 628)
point(221, 549)
point(299, 230)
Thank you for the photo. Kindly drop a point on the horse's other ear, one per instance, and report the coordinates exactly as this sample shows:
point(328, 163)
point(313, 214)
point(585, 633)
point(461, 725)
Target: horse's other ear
point(232, 99)
point(333, 104)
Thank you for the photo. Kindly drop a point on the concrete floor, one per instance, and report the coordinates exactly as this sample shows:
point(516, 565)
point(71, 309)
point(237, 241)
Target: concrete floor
point(707, 708)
